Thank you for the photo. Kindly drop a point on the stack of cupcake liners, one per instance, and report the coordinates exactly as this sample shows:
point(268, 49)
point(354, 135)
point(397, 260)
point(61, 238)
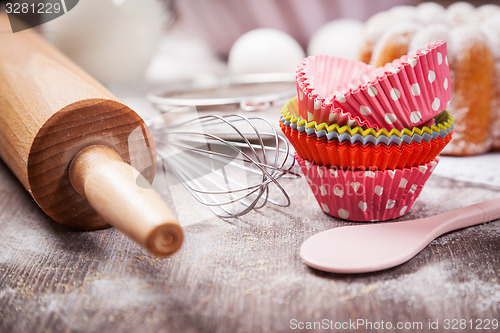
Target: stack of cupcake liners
point(367, 139)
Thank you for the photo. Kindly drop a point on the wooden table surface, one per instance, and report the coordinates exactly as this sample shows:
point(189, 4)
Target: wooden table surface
point(239, 275)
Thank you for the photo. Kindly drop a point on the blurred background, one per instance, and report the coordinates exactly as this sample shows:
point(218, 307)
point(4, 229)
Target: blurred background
point(117, 39)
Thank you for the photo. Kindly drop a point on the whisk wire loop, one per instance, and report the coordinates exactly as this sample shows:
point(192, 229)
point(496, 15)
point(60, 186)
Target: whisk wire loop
point(227, 162)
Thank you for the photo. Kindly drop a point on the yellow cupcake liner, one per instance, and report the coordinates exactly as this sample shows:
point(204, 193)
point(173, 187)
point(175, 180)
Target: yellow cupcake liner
point(290, 112)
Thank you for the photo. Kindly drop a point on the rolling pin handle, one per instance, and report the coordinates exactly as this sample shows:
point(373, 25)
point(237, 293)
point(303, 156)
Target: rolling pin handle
point(110, 185)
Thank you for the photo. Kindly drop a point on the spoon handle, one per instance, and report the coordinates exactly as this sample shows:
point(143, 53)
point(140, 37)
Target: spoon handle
point(373, 247)
point(466, 217)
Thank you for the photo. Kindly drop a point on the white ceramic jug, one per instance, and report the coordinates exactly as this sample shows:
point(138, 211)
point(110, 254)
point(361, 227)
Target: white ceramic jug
point(113, 40)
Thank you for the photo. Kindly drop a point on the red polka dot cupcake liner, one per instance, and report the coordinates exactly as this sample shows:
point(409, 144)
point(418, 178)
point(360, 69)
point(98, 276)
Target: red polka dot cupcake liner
point(406, 93)
point(366, 195)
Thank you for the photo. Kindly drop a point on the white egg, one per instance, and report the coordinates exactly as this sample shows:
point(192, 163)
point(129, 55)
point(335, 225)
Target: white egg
point(341, 38)
point(265, 51)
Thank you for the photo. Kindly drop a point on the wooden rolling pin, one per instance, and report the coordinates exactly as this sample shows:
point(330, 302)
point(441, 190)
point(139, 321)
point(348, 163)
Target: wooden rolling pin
point(83, 156)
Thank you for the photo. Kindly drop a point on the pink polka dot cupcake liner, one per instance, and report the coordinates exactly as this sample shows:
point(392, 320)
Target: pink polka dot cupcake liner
point(406, 93)
point(321, 77)
point(366, 195)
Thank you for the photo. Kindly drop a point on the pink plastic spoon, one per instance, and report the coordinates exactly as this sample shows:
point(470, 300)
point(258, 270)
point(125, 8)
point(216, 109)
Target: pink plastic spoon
point(373, 247)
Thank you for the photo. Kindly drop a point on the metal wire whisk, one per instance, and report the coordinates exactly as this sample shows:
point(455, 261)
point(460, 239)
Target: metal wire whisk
point(226, 162)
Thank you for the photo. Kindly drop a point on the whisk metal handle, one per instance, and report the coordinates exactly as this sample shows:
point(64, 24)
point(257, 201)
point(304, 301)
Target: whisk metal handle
point(112, 188)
